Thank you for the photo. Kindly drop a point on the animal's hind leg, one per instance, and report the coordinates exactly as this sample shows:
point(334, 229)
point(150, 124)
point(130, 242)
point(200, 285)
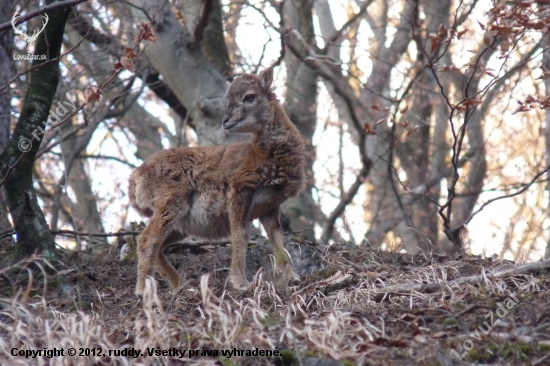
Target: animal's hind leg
point(151, 240)
point(283, 270)
point(164, 267)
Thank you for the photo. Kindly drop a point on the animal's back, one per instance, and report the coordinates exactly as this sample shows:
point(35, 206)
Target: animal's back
point(168, 173)
point(193, 179)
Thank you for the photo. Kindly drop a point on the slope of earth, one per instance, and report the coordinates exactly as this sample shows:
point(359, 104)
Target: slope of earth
point(352, 306)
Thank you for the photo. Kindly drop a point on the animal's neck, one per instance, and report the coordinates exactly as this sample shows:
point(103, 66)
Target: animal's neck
point(276, 131)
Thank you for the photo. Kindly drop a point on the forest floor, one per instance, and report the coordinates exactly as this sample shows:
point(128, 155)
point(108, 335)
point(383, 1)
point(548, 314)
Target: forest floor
point(347, 311)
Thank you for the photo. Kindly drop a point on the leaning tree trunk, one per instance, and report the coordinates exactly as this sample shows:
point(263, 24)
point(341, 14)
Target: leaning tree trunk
point(28, 219)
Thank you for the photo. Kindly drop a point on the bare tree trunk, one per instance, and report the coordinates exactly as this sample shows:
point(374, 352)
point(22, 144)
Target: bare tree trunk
point(84, 210)
point(416, 155)
point(328, 29)
point(177, 55)
point(7, 8)
point(213, 43)
point(301, 107)
point(382, 206)
point(28, 219)
point(546, 64)
point(439, 152)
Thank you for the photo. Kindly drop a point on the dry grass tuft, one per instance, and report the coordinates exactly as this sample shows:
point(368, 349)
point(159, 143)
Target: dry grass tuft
point(363, 306)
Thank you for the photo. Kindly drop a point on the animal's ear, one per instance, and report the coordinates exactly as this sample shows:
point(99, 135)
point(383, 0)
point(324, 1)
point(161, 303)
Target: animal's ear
point(266, 78)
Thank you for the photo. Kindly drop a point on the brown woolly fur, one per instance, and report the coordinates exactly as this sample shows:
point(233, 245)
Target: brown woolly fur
point(216, 191)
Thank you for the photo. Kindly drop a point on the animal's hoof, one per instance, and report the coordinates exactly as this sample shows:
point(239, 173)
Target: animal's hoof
point(294, 278)
point(284, 276)
point(281, 288)
point(287, 274)
point(240, 284)
point(140, 286)
point(177, 285)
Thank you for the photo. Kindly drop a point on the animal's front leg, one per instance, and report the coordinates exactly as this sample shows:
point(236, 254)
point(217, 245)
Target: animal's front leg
point(283, 270)
point(239, 207)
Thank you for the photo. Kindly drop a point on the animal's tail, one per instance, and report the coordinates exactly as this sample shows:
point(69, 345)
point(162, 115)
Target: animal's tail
point(146, 212)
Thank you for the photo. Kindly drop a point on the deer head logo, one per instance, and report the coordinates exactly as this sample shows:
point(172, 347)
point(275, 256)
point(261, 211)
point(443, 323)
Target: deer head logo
point(31, 40)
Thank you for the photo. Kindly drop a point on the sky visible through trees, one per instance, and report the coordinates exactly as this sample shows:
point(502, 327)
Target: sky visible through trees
point(381, 87)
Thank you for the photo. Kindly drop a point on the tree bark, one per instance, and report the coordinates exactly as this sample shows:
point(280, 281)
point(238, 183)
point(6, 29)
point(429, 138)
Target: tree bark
point(382, 206)
point(111, 46)
point(213, 43)
point(29, 222)
point(178, 57)
point(546, 64)
point(420, 156)
point(301, 107)
point(84, 210)
point(7, 8)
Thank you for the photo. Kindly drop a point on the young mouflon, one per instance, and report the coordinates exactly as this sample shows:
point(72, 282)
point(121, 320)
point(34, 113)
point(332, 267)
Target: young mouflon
point(216, 191)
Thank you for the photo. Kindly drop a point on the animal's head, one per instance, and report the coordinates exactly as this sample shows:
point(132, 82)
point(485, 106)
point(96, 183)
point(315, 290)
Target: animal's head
point(248, 103)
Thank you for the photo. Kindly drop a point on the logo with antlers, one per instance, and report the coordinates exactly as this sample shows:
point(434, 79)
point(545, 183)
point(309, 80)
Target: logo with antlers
point(30, 40)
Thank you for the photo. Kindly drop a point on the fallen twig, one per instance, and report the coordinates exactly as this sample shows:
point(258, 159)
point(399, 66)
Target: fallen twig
point(407, 289)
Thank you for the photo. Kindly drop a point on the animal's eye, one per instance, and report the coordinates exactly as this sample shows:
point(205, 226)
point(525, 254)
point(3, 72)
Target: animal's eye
point(249, 98)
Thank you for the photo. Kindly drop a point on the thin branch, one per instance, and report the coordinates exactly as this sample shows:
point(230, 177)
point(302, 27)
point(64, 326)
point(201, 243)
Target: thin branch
point(266, 18)
point(341, 86)
point(345, 201)
point(262, 55)
point(83, 27)
point(122, 233)
point(6, 234)
point(106, 157)
point(150, 77)
point(48, 148)
point(526, 187)
point(465, 15)
point(305, 52)
point(163, 91)
point(101, 235)
point(99, 91)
